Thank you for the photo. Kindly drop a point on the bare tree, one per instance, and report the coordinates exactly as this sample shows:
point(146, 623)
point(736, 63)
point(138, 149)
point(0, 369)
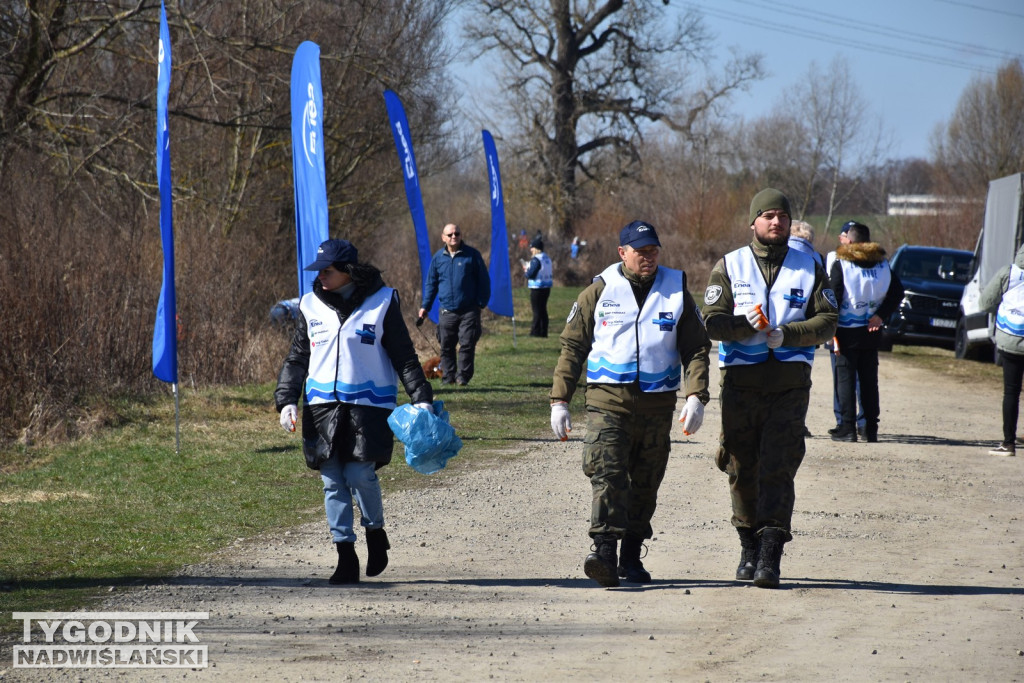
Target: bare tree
point(818, 141)
point(583, 77)
point(985, 138)
point(77, 138)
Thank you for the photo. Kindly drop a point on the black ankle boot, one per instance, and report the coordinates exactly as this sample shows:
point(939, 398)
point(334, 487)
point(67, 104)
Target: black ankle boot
point(770, 557)
point(377, 546)
point(601, 564)
point(630, 567)
point(348, 564)
point(844, 432)
point(871, 433)
point(748, 554)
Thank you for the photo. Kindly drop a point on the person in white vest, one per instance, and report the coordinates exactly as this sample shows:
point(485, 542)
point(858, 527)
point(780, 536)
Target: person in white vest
point(868, 292)
point(801, 238)
point(349, 350)
point(637, 334)
point(1004, 296)
point(769, 306)
point(539, 280)
point(830, 258)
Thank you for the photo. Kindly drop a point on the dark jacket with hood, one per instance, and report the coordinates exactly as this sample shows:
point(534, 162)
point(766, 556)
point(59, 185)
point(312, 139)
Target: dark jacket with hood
point(357, 433)
point(864, 255)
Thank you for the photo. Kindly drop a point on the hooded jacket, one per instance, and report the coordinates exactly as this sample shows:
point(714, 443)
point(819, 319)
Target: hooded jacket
point(989, 301)
point(864, 255)
point(366, 436)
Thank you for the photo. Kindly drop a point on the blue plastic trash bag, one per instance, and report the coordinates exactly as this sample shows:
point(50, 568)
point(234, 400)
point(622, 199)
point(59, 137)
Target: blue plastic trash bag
point(429, 440)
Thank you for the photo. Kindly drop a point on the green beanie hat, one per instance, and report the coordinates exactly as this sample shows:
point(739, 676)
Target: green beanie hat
point(768, 198)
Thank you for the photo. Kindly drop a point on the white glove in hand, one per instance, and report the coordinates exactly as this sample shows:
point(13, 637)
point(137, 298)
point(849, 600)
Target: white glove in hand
point(756, 318)
point(561, 423)
point(288, 416)
point(424, 406)
point(775, 338)
point(692, 415)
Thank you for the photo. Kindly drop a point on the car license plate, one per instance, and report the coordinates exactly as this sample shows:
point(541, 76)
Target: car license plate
point(942, 322)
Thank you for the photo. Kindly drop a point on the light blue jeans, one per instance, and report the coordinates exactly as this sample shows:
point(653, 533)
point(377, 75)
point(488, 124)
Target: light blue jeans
point(342, 482)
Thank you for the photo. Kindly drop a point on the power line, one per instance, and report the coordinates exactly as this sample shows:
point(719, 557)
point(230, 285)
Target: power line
point(983, 9)
point(849, 23)
point(832, 40)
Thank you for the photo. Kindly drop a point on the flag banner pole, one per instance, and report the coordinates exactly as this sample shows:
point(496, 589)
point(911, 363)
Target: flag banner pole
point(308, 169)
point(413, 195)
point(500, 271)
point(177, 421)
point(165, 329)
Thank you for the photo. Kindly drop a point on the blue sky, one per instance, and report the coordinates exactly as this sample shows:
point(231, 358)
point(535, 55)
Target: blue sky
point(910, 59)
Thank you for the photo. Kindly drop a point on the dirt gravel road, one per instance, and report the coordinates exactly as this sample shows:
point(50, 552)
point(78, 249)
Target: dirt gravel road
point(907, 565)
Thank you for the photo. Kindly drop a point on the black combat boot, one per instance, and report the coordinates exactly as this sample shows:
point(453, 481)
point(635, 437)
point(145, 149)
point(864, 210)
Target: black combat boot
point(768, 560)
point(348, 564)
point(600, 565)
point(844, 432)
point(377, 546)
point(749, 545)
point(630, 567)
point(871, 433)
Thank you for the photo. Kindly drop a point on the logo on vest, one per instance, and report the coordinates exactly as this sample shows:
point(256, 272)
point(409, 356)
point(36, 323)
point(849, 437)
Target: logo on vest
point(795, 298)
point(665, 321)
point(368, 334)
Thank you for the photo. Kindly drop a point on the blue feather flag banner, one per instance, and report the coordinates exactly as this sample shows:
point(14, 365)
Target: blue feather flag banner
point(403, 144)
point(165, 332)
point(500, 272)
point(310, 178)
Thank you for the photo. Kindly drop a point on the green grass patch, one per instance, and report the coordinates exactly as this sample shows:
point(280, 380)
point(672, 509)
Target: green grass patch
point(122, 509)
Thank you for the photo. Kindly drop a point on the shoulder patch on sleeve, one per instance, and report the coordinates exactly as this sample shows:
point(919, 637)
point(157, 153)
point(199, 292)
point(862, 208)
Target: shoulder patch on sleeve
point(831, 296)
point(712, 294)
point(572, 312)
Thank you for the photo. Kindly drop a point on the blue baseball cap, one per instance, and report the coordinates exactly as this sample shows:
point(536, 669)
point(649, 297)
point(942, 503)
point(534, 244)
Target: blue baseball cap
point(847, 225)
point(333, 251)
point(638, 234)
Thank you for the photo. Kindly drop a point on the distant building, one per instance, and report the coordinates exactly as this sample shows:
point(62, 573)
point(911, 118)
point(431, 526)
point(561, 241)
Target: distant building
point(924, 205)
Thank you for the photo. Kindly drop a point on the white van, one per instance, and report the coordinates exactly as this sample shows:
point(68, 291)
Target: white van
point(997, 244)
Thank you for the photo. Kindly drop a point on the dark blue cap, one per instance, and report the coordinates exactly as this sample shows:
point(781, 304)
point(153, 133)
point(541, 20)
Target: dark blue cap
point(847, 225)
point(333, 251)
point(638, 234)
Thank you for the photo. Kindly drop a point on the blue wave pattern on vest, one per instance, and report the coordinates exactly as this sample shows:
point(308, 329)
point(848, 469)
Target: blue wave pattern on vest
point(350, 393)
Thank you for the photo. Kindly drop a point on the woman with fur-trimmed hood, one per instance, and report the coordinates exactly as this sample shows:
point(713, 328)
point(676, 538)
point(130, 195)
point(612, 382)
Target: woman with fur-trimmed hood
point(868, 292)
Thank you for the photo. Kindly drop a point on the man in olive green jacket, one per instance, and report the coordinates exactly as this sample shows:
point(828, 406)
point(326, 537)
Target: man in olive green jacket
point(638, 335)
point(769, 306)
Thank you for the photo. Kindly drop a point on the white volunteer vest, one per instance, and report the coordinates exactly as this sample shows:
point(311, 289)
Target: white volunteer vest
point(545, 276)
point(347, 362)
point(1010, 316)
point(634, 345)
point(864, 289)
point(786, 302)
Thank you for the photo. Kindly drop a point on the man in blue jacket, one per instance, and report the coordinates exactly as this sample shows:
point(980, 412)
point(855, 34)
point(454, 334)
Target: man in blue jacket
point(458, 278)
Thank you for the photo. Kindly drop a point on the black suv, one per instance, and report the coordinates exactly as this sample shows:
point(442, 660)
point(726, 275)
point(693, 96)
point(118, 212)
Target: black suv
point(933, 279)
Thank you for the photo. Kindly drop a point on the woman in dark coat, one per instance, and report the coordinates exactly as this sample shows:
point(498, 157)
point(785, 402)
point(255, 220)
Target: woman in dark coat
point(349, 350)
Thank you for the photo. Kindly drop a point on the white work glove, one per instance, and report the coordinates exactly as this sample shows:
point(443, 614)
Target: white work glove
point(288, 416)
point(756, 318)
point(692, 415)
point(561, 423)
point(775, 338)
point(424, 406)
